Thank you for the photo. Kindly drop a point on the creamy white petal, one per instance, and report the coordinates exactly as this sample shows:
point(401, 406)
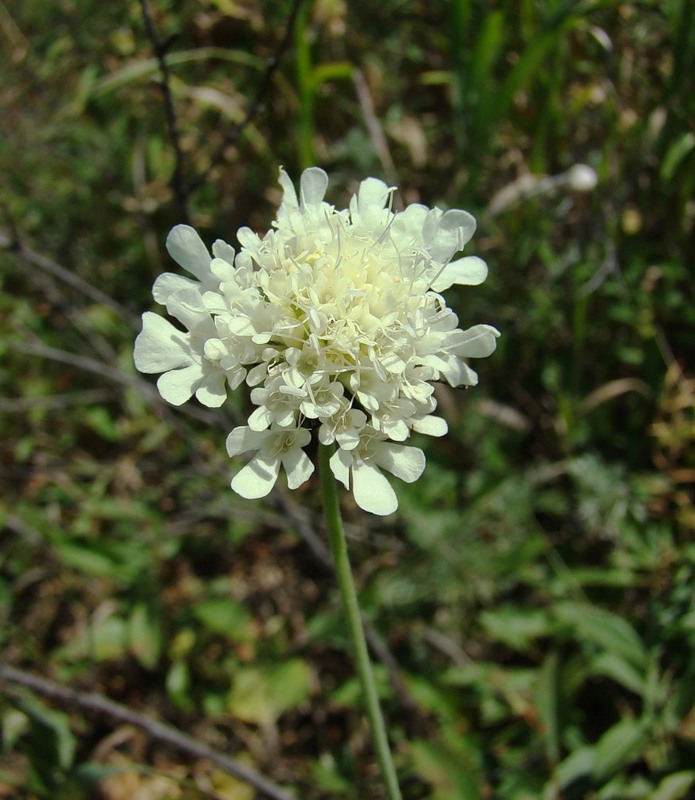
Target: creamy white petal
point(431, 426)
point(223, 270)
point(289, 197)
point(395, 429)
point(479, 341)
point(260, 418)
point(340, 463)
point(348, 439)
point(459, 224)
point(373, 194)
point(188, 307)
point(406, 463)
point(327, 435)
point(178, 386)
point(298, 467)
point(248, 239)
point(312, 187)
point(372, 490)
point(223, 251)
point(449, 234)
point(300, 437)
point(160, 346)
point(168, 283)
point(468, 271)
point(392, 362)
point(243, 439)
point(188, 250)
point(212, 392)
point(235, 377)
point(242, 326)
point(410, 221)
point(256, 375)
point(460, 374)
point(257, 478)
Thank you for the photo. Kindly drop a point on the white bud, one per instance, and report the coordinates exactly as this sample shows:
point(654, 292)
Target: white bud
point(582, 178)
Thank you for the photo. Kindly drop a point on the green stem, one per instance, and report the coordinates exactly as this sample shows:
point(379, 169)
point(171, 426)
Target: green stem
point(351, 605)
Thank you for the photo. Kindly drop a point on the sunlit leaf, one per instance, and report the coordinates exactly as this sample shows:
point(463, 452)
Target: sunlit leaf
point(675, 786)
point(548, 702)
point(450, 778)
point(261, 694)
point(516, 627)
point(224, 616)
point(144, 636)
point(619, 746)
point(609, 631)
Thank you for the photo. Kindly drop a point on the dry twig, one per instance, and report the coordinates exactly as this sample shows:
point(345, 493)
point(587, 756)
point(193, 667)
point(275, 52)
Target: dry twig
point(160, 47)
point(92, 702)
point(29, 256)
point(233, 135)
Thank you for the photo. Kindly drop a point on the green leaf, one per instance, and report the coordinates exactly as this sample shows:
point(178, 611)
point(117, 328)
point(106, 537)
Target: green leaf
point(261, 694)
point(547, 702)
point(677, 152)
point(93, 772)
point(578, 764)
point(102, 423)
point(105, 639)
point(109, 639)
point(225, 616)
point(349, 693)
point(516, 627)
point(619, 670)
point(607, 630)
point(51, 738)
point(87, 560)
point(444, 770)
point(468, 674)
point(618, 747)
point(338, 70)
point(326, 775)
point(13, 724)
point(144, 636)
point(178, 683)
point(150, 66)
point(675, 786)
point(431, 697)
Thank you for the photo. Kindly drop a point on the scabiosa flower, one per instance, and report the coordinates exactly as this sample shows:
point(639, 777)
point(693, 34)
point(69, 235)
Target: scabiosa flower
point(335, 320)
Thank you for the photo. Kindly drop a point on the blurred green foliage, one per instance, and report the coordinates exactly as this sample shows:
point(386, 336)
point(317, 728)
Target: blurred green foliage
point(536, 587)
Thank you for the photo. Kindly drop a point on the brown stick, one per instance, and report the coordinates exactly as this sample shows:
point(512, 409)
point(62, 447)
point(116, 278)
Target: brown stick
point(161, 732)
point(160, 48)
point(26, 254)
point(234, 134)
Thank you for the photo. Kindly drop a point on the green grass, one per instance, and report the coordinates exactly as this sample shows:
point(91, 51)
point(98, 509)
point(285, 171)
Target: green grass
point(535, 589)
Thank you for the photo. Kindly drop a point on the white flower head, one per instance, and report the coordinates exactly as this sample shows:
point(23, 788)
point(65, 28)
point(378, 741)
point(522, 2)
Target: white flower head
point(335, 320)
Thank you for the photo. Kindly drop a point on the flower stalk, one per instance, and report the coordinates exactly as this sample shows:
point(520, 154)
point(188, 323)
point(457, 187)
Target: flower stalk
point(353, 615)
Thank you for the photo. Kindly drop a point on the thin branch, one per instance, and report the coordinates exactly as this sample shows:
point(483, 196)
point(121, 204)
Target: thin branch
point(159, 731)
point(160, 47)
point(13, 241)
point(26, 254)
point(55, 293)
point(88, 364)
point(20, 405)
point(376, 132)
point(233, 135)
point(300, 519)
point(446, 645)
